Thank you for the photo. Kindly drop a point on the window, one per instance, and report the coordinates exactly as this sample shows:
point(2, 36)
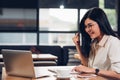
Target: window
point(60, 26)
point(18, 19)
point(111, 14)
point(58, 19)
point(18, 39)
point(56, 39)
point(18, 26)
point(46, 24)
point(110, 9)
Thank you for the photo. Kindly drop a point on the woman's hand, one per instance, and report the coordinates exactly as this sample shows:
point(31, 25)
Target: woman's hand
point(76, 39)
point(84, 69)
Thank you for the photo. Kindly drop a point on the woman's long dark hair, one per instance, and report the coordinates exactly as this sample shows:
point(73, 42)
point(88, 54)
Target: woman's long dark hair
point(99, 16)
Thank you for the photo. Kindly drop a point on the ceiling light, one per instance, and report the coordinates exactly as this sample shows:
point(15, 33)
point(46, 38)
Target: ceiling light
point(62, 6)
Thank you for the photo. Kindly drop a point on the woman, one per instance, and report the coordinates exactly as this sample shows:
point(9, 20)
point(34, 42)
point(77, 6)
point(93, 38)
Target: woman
point(100, 48)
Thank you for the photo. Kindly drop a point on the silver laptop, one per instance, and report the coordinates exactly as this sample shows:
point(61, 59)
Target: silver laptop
point(20, 63)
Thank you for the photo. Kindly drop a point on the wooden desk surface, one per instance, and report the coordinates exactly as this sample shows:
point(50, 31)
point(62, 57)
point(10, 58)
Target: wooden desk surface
point(51, 77)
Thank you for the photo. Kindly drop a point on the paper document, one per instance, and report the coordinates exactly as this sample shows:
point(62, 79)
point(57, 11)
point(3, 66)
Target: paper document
point(54, 70)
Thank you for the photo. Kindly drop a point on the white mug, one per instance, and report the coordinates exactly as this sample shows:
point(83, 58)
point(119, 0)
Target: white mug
point(63, 73)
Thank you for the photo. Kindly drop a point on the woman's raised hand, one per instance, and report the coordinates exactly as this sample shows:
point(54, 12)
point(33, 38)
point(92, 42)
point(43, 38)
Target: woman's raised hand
point(76, 39)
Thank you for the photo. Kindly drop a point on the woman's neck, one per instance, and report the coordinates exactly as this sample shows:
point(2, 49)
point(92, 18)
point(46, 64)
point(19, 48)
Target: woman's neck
point(100, 37)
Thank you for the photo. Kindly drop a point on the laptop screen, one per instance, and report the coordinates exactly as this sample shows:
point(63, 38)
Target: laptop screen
point(18, 62)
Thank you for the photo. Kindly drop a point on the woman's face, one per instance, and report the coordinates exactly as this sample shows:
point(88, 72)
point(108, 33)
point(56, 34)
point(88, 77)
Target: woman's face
point(92, 28)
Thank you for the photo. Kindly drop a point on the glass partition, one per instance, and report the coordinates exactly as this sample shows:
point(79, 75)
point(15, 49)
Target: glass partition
point(52, 19)
point(18, 38)
point(18, 19)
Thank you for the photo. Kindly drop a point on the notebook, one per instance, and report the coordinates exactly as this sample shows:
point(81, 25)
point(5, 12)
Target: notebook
point(78, 74)
point(20, 63)
point(54, 69)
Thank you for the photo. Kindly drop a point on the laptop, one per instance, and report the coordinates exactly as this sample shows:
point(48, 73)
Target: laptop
point(20, 63)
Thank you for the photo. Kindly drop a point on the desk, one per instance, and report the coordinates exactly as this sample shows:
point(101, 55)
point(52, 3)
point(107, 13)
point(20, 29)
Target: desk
point(51, 77)
point(44, 57)
point(39, 59)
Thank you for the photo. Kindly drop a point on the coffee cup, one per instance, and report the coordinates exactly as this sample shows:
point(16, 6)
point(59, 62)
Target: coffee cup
point(63, 73)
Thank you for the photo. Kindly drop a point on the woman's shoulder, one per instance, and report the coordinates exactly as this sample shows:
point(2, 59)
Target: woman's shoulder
point(113, 39)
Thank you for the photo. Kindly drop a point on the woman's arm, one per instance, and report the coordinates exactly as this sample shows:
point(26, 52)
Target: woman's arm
point(105, 73)
point(76, 40)
point(110, 74)
point(84, 61)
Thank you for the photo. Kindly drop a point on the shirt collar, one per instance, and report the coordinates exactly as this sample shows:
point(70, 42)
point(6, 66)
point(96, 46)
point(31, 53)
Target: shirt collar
point(103, 40)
